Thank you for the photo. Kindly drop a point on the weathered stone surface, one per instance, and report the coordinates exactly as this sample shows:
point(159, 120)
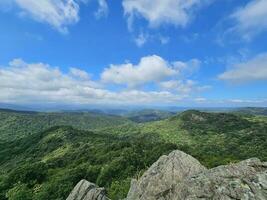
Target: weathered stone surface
point(163, 175)
point(85, 190)
point(246, 180)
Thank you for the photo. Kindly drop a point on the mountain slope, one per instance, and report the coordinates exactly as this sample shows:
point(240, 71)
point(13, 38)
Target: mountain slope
point(214, 138)
point(48, 164)
point(19, 124)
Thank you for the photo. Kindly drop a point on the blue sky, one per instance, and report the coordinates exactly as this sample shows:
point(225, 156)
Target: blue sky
point(134, 52)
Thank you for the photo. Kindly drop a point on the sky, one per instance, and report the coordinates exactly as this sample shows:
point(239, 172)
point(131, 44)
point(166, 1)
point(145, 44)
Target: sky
point(133, 52)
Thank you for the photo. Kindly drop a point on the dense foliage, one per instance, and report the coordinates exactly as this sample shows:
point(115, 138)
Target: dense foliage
point(215, 138)
point(14, 124)
point(47, 164)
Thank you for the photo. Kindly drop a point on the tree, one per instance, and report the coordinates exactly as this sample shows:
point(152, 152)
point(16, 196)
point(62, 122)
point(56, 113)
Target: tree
point(19, 192)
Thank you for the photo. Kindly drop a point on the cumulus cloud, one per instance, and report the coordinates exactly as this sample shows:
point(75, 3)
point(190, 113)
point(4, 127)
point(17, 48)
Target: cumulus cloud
point(22, 82)
point(251, 19)
point(149, 69)
point(158, 12)
point(251, 70)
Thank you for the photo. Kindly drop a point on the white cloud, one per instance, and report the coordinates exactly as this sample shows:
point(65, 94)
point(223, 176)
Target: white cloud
point(183, 86)
point(22, 82)
point(149, 69)
point(57, 13)
point(40, 83)
point(158, 12)
point(251, 19)
point(241, 101)
point(21, 75)
point(79, 73)
point(251, 70)
point(102, 9)
point(179, 86)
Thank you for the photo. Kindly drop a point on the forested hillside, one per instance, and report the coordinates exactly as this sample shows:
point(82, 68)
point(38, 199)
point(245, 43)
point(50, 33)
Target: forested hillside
point(213, 138)
point(18, 124)
point(46, 164)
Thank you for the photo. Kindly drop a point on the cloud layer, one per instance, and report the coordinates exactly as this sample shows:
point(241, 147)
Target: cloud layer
point(22, 82)
point(35, 83)
point(251, 70)
point(251, 19)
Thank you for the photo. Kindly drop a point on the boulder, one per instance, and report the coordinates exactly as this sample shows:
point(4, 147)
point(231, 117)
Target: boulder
point(85, 190)
point(163, 175)
point(246, 180)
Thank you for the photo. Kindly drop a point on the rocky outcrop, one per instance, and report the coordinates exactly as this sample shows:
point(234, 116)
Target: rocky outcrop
point(163, 175)
point(179, 176)
point(85, 190)
point(244, 180)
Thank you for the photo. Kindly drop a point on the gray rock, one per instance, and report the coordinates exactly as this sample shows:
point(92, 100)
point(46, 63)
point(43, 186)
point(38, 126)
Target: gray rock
point(85, 190)
point(179, 176)
point(246, 180)
point(163, 175)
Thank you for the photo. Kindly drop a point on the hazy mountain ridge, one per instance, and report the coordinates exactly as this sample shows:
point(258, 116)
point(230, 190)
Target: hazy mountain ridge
point(149, 115)
point(252, 111)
